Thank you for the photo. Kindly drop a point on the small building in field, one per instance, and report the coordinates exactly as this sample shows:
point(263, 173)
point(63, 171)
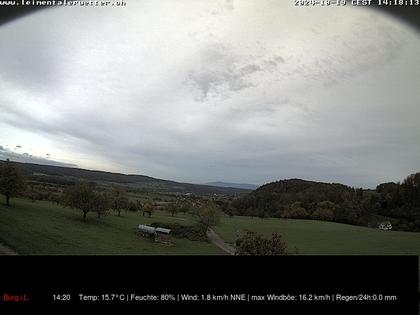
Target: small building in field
point(159, 234)
point(146, 230)
point(385, 226)
point(163, 231)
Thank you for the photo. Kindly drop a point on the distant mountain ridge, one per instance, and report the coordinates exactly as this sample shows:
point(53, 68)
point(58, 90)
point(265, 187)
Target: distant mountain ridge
point(233, 185)
point(68, 176)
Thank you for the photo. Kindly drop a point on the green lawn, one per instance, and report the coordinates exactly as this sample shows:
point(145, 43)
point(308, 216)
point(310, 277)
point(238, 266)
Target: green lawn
point(326, 238)
point(45, 228)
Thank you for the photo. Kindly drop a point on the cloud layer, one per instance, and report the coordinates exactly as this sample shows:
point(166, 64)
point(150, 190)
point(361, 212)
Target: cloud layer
point(240, 91)
point(25, 157)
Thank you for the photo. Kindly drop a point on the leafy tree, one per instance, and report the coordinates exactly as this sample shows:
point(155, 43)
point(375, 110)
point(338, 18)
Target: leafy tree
point(207, 215)
point(178, 206)
point(102, 203)
point(11, 181)
point(253, 244)
point(295, 211)
point(81, 196)
point(325, 211)
point(411, 188)
point(148, 208)
point(119, 200)
point(386, 187)
point(185, 207)
point(323, 214)
point(139, 205)
point(348, 212)
point(31, 194)
point(135, 206)
point(173, 207)
point(229, 209)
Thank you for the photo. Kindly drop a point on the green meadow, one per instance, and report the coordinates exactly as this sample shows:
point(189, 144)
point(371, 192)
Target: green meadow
point(325, 238)
point(45, 228)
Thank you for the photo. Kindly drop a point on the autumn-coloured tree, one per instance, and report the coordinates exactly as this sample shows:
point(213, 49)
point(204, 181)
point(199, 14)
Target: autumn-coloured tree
point(253, 244)
point(207, 215)
point(148, 208)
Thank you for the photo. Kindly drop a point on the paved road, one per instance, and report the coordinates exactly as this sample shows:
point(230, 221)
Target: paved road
point(219, 242)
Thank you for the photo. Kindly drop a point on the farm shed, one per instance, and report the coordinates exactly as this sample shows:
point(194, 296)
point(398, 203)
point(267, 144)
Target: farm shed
point(146, 230)
point(158, 233)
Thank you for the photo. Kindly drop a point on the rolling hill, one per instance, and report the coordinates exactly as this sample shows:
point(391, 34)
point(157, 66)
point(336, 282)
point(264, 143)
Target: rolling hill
point(68, 176)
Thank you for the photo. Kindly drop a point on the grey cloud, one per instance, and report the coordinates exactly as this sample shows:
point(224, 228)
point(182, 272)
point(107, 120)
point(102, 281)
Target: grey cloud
point(249, 69)
point(279, 59)
point(223, 72)
point(242, 98)
point(29, 158)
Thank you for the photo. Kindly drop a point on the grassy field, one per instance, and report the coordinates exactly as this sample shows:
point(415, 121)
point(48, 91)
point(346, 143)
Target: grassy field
point(45, 228)
point(149, 197)
point(325, 238)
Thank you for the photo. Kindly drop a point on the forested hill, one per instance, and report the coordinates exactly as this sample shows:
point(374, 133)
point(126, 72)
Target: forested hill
point(275, 197)
point(296, 185)
point(68, 176)
point(300, 199)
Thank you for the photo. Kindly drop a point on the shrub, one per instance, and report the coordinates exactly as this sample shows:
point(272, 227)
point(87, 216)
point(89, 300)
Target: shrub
point(190, 232)
point(253, 244)
point(295, 211)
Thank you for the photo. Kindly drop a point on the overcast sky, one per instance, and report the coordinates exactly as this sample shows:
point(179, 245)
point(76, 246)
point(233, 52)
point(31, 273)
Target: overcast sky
point(198, 91)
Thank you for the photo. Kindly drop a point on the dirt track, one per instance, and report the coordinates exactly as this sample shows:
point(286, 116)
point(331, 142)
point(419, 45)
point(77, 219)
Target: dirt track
point(219, 242)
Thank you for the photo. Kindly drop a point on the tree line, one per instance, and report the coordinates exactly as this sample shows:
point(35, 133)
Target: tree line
point(85, 197)
point(300, 199)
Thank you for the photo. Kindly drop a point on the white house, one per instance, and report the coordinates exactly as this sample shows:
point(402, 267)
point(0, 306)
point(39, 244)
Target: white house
point(385, 226)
